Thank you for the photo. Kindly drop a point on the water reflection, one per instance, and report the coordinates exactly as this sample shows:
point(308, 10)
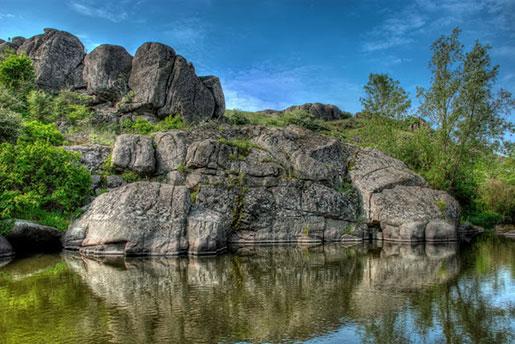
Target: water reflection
point(395, 293)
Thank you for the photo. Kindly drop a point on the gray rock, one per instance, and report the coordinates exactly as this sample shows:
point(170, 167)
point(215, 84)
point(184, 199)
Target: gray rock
point(57, 58)
point(440, 231)
point(152, 68)
point(28, 236)
point(135, 153)
point(258, 185)
point(18, 41)
point(214, 85)
point(6, 249)
point(142, 218)
point(372, 171)
point(114, 181)
point(207, 232)
point(93, 157)
point(106, 71)
point(326, 112)
point(187, 95)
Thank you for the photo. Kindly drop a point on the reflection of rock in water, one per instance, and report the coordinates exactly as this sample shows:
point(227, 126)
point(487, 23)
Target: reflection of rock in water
point(402, 268)
point(258, 294)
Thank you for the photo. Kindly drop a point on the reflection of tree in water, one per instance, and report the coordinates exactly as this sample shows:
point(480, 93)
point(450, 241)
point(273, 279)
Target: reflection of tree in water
point(459, 310)
point(41, 300)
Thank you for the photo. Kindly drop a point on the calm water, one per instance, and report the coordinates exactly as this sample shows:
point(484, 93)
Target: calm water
point(331, 294)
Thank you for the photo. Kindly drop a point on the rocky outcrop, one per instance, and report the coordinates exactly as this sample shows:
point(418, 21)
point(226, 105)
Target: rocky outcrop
point(135, 153)
point(92, 156)
point(58, 59)
point(326, 112)
point(400, 202)
point(106, 71)
point(156, 81)
point(214, 186)
point(28, 236)
point(6, 249)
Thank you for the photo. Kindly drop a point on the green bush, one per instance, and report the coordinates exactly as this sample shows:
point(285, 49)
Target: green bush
point(170, 122)
point(40, 106)
point(10, 123)
point(39, 179)
point(17, 73)
point(9, 101)
point(34, 131)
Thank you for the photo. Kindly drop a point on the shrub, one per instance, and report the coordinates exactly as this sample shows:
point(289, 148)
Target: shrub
point(40, 177)
point(243, 146)
point(17, 73)
point(9, 101)
point(34, 131)
point(303, 119)
point(9, 125)
point(139, 126)
point(40, 106)
point(170, 122)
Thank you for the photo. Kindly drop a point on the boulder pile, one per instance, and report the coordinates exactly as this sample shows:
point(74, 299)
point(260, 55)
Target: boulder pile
point(156, 80)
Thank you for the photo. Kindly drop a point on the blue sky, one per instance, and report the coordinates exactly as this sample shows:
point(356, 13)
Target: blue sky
point(275, 53)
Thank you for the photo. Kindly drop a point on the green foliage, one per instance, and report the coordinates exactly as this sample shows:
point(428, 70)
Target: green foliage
point(170, 122)
point(181, 168)
point(299, 118)
point(34, 131)
point(17, 73)
point(10, 123)
point(68, 107)
point(243, 146)
point(139, 126)
point(130, 176)
point(385, 97)
point(39, 179)
point(143, 126)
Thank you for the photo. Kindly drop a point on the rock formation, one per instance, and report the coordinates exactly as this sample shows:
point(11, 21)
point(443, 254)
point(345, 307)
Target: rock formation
point(27, 236)
point(214, 186)
point(155, 81)
point(6, 249)
point(326, 112)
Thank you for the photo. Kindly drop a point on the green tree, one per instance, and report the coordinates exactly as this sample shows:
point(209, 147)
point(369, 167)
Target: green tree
point(469, 119)
point(385, 97)
point(17, 73)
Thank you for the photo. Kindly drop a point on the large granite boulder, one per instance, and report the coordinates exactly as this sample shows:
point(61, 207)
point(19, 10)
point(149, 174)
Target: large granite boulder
point(58, 59)
point(213, 84)
point(187, 95)
point(106, 71)
point(135, 153)
point(400, 202)
point(28, 236)
point(6, 249)
point(152, 68)
point(167, 84)
point(142, 218)
point(93, 156)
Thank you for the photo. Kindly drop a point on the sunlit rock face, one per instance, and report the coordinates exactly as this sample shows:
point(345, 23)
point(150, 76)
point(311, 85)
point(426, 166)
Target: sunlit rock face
point(400, 201)
point(260, 294)
point(255, 185)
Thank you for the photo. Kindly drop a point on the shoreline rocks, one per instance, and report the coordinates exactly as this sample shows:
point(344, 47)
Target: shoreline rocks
point(6, 250)
point(212, 186)
point(30, 237)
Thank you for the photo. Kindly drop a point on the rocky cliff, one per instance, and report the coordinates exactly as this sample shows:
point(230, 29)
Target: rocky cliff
point(155, 81)
point(211, 186)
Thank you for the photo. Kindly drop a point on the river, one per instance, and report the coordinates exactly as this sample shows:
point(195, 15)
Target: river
point(389, 293)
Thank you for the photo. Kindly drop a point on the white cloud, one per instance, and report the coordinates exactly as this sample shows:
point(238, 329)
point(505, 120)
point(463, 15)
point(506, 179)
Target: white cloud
point(7, 16)
point(114, 11)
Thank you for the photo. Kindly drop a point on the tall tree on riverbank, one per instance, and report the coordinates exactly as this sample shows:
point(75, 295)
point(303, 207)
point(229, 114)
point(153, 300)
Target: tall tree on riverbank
point(468, 116)
point(385, 97)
